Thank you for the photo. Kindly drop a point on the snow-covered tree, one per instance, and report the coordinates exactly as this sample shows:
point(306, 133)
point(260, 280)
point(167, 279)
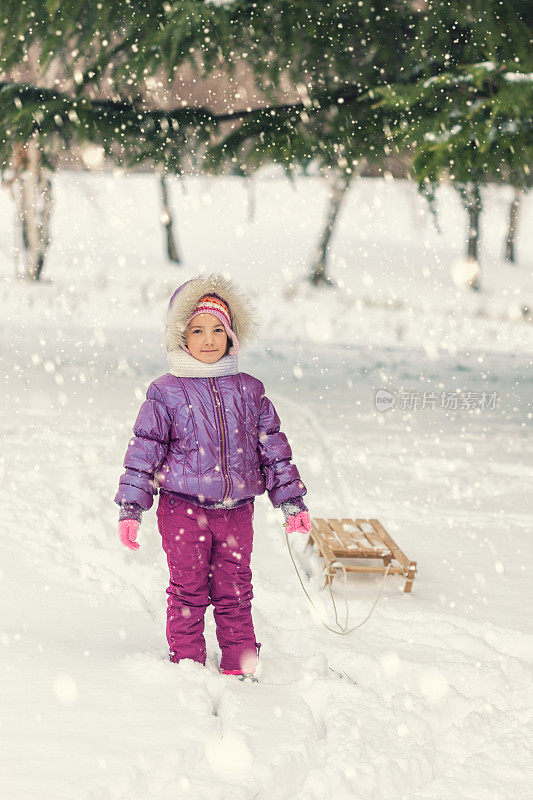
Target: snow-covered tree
point(467, 119)
point(341, 83)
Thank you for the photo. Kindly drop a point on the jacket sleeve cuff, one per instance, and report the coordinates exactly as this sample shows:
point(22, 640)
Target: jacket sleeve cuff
point(293, 506)
point(130, 511)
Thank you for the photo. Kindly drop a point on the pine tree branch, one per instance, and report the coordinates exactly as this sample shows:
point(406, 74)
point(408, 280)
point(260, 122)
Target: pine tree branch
point(328, 99)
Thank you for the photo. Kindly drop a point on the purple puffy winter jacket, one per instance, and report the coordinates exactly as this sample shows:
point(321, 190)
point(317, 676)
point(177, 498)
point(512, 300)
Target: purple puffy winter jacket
point(185, 441)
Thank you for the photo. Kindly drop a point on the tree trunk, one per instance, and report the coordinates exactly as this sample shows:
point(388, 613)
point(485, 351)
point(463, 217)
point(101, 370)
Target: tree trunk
point(511, 231)
point(44, 224)
point(166, 219)
point(35, 209)
point(473, 201)
point(318, 273)
point(19, 231)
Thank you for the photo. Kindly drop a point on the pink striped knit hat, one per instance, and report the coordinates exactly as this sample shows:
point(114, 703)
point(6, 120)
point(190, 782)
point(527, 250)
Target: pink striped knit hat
point(213, 304)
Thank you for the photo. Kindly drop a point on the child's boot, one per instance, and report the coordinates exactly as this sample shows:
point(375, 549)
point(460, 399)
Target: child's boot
point(248, 672)
point(242, 676)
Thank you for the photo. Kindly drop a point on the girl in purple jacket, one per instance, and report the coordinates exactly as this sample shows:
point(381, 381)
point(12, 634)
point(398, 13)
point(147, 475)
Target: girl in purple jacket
point(209, 440)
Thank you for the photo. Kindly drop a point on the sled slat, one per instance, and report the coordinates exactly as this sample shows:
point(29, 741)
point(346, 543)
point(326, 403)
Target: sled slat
point(364, 568)
point(350, 541)
point(368, 540)
point(370, 536)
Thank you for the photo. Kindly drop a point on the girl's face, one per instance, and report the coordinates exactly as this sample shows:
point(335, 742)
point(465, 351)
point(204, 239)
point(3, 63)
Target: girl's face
point(206, 338)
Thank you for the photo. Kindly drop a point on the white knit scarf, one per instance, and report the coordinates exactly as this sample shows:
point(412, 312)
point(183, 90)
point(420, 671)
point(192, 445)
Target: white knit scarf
point(183, 365)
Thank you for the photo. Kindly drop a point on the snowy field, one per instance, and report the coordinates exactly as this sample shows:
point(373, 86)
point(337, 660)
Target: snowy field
point(442, 704)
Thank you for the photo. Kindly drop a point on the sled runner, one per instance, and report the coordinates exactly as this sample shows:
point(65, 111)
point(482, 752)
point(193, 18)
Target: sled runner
point(349, 539)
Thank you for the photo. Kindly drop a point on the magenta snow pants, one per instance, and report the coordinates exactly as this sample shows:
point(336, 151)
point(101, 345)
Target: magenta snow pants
point(208, 553)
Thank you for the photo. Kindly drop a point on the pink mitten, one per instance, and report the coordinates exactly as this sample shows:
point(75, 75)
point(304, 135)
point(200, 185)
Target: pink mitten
point(127, 530)
point(299, 523)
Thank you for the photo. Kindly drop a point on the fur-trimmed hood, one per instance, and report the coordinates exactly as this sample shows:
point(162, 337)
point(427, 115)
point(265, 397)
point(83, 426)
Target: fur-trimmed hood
point(185, 299)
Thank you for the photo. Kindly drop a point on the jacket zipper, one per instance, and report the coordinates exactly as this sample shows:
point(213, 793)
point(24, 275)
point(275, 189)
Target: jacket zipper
point(221, 422)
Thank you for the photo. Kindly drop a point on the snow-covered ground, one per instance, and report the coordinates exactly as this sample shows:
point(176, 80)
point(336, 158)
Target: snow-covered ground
point(442, 707)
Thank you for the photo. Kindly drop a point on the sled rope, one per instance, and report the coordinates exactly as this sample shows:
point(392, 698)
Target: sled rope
point(343, 629)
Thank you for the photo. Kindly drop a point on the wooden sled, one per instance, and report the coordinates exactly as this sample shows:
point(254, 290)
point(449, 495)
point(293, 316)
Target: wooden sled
point(361, 538)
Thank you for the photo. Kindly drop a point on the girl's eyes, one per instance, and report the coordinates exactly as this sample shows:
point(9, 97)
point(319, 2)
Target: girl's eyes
point(217, 330)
